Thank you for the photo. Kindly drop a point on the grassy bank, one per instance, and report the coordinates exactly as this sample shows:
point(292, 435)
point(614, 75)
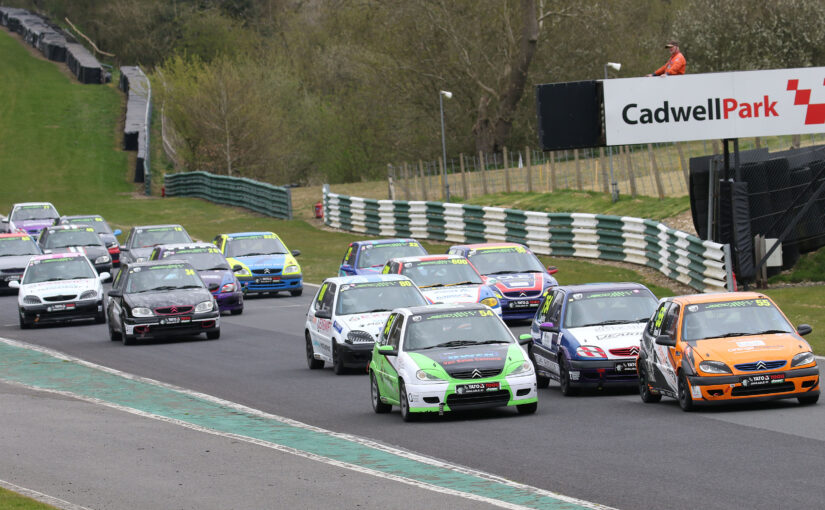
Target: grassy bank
point(12, 501)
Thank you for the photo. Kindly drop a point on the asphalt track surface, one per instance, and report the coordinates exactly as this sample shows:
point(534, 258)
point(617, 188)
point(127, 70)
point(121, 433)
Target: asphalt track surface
point(602, 447)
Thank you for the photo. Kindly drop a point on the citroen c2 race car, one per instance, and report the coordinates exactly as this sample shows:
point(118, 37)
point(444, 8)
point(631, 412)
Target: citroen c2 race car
point(32, 217)
point(59, 287)
point(514, 271)
point(588, 335)
point(347, 315)
point(369, 257)
point(15, 252)
point(262, 262)
point(143, 239)
point(447, 279)
point(727, 347)
point(441, 358)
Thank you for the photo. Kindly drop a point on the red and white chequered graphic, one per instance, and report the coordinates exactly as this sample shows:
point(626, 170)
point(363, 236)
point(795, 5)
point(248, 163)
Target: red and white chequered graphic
point(816, 112)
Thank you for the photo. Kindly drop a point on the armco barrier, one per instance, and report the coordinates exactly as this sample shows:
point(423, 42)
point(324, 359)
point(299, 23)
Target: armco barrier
point(702, 265)
point(257, 196)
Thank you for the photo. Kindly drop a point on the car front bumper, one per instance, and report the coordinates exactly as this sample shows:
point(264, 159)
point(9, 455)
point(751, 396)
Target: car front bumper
point(162, 327)
point(252, 284)
point(442, 397)
point(5, 278)
point(355, 355)
point(511, 309)
point(709, 390)
point(599, 373)
point(229, 301)
point(59, 312)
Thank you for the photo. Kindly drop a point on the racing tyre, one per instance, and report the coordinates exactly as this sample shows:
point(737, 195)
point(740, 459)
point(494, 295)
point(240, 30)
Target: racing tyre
point(377, 406)
point(685, 400)
point(541, 380)
point(213, 335)
point(808, 400)
point(565, 385)
point(648, 397)
point(100, 318)
point(312, 363)
point(114, 336)
point(527, 408)
point(24, 324)
point(127, 339)
point(237, 311)
point(337, 362)
point(296, 293)
point(404, 403)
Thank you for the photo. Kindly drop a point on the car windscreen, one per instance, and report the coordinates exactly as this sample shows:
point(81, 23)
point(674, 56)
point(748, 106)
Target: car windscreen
point(34, 212)
point(148, 237)
point(732, 318)
point(202, 259)
point(511, 259)
point(162, 277)
point(370, 297)
point(66, 238)
point(250, 246)
point(608, 307)
point(10, 246)
point(60, 268)
point(376, 255)
point(441, 273)
point(97, 223)
point(455, 329)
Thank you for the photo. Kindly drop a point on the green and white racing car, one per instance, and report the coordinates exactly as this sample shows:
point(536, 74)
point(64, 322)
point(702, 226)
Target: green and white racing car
point(441, 358)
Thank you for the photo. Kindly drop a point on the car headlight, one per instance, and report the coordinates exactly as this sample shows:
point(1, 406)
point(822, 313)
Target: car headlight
point(31, 300)
point(490, 301)
point(523, 369)
point(89, 294)
point(102, 259)
point(423, 375)
point(229, 287)
point(244, 271)
point(294, 268)
point(140, 259)
point(803, 358)
point(141, 312)
point(714, 367)
point(205, 306)
point(359, 337)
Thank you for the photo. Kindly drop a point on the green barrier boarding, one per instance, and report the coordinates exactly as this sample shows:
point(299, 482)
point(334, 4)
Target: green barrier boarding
point(256, 196)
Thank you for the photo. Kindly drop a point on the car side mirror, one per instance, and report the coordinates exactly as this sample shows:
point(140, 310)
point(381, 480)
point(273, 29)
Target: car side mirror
point(323, 314)
point(802, 329)
point(124, 248)
point(115, 293)
point(552, 269)
point(117, 232)
point(237, 267)
point(14, 284)
point(666, 340)
point(549, 326)
point(295, 253)
point(387, 350)
point(525, 339)
point(104, 276)
point(47, 251)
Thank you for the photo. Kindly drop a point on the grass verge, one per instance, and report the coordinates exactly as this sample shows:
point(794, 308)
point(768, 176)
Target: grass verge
point(12, 501)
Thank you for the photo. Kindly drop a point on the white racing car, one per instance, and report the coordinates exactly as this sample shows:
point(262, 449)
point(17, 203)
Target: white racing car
point(60, 287)
point(347, 314)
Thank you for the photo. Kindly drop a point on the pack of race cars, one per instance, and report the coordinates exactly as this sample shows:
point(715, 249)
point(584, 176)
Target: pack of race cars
point(427, 329)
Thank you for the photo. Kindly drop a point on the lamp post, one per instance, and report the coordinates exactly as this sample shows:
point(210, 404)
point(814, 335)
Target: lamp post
point(441, 95)
point(614, 186)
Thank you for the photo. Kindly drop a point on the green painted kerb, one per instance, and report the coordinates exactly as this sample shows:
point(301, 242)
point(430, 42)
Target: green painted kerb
point(39, 370)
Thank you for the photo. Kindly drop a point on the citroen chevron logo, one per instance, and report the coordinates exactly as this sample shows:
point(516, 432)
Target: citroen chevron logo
point(634, 351)
point(760, 365)
point(522, 294)
point(476, 374)
point(266, 271)
point(174, 309)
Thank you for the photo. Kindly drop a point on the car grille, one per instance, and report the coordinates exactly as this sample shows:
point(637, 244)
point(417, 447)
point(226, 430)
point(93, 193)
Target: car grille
point(625, 351)
point(173, 310)
point(491, 399)
point(741, 391)
point(270, 271)
point(469, 374)
point(13, 270)
point(517, 294)
point(761, 365)
point(61, 297)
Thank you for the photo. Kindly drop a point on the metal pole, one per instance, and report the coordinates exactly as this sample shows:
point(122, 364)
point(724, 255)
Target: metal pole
point(444, 148)
point(614, 186)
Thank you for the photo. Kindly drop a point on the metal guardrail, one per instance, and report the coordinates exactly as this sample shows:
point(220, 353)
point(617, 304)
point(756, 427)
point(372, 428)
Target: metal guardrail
point(256, 196)
point(702, 265)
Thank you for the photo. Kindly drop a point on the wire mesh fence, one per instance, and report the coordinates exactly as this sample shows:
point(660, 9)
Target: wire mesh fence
point(657, 170)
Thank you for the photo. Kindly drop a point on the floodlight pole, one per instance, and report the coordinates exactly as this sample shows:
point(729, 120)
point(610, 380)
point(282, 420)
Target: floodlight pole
point(614, 186)
point(441, 95)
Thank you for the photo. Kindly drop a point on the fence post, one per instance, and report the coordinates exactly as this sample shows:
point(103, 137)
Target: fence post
point(758, 142)
point(390, 186)
point(406, 181)
point(715, 147)
point(442, 175)
point(529, 163)
point(463, 177)
point(423, 179)
point(553, 184)
point(605, 183)
point(506, 170)
point(630, 175)
point(654, 168)
point(578, 170)
point(483, 172)
point(682, 163)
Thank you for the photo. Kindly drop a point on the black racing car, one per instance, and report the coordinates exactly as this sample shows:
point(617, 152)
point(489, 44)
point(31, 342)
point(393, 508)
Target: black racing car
point(102, 229)
point(160, 299)
point(15, 252)
point(79, 238)
point(138, 246)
